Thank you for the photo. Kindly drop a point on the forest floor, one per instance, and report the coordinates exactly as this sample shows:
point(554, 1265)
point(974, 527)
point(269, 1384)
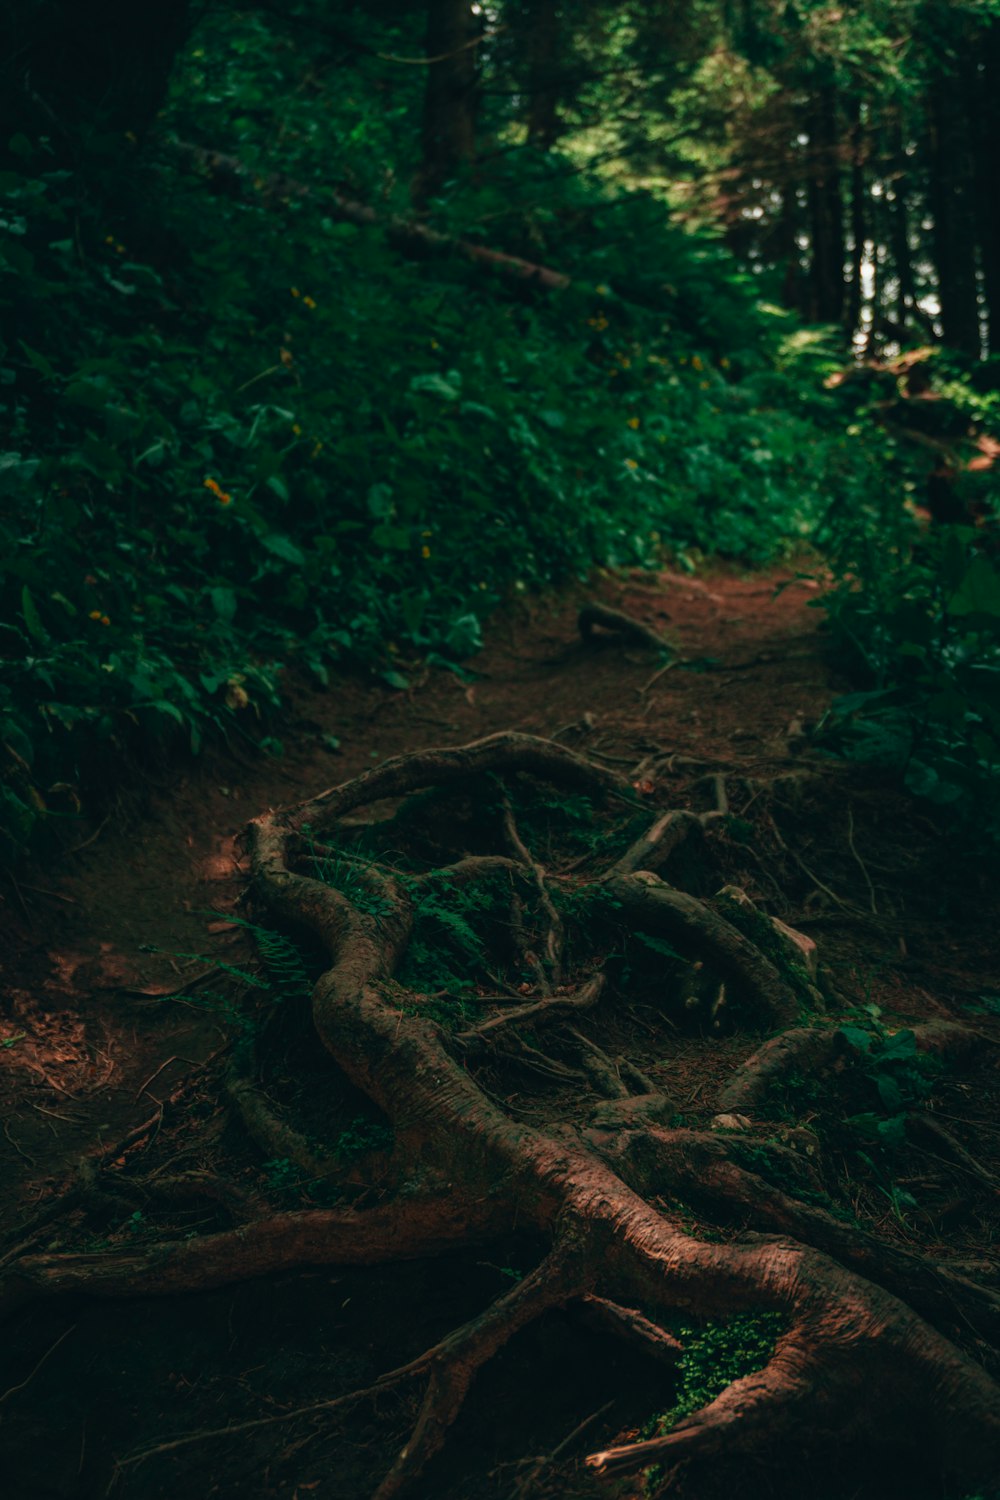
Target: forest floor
point(102, 1022)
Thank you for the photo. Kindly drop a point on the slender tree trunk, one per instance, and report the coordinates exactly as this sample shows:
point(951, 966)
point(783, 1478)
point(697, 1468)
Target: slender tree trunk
point(787, 248)
point(953, 211)
point(858, 221)
point(73, 68)
point(987, 171)
point(826, 210)
point(898, 212)
point(451, 98)
point(543, 62)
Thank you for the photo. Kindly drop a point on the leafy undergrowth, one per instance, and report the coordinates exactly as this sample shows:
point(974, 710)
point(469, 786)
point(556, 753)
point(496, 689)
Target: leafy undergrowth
point(231, 453)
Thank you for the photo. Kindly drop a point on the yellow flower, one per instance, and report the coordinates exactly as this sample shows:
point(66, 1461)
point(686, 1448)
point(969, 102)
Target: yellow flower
point(696, 362)
point(214, 486)
point(435, 344)
point(425, 553)
point(633, 422)
point(630, 463)
point(295, 291)
point(309, 302)
point(105, 620)
point(287, 357)
point(724, 362)
point(95, 614)
point(317, 450)
point(602, 290)
point(426, 533)
point(225, 499)
point(296, 429)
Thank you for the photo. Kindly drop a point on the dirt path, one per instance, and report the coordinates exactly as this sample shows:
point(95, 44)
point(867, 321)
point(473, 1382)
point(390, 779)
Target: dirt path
point(100, 1021)
point(82, 1038)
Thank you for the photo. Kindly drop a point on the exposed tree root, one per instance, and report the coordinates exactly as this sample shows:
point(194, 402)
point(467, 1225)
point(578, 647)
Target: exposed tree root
point(621, 624)
point(611, 1201)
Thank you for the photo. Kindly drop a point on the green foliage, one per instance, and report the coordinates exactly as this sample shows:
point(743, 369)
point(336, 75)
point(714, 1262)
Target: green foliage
point(287, 978)
point(246, 436)
point(896, 1073)
point(360, 1137)
point(445, 954)
point(714, 1356)
point(926, 631)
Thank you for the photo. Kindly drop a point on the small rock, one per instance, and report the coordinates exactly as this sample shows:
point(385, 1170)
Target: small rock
point(731, 1122)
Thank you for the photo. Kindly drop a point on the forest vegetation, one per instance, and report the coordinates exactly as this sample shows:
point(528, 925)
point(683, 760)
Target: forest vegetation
point(329, 334)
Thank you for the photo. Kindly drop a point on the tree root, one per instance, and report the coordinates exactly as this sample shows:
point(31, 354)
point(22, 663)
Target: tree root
point(627, 627)
point(854, 1363)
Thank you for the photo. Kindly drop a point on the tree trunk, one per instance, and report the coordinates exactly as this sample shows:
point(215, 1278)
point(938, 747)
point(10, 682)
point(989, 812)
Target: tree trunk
point(451, 98)
point(987, 195)
point(897, 205)
point(543, 58)
point(952, 202)
point(826, 210)
point(82, 67)
point(858, 232)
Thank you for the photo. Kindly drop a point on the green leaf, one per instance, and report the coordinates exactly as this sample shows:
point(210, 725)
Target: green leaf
point(283, 547)
point(979, 591)
point(32, 618)
point(860, 1040)
point(223, 602)
point(889, 1091)
point(444, 387)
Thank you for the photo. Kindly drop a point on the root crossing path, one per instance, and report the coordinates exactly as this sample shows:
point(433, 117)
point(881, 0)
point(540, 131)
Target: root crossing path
point(582, 1087)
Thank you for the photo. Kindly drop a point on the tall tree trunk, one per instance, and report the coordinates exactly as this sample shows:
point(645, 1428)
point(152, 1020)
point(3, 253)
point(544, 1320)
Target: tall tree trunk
point(952, 202)
point(543, 61)
point(858, 218)
point(451, 97)
point(787, 248)
point(898, 213)
point(986, 171)
point(74, 68)
point(826, 210)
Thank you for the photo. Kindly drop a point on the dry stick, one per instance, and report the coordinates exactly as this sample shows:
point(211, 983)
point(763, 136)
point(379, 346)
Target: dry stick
point(860, 861)
point(384, 1383)
point(956, 1150)
point(845, 906)
point(29, 1378)
point(667, 666)
point(523, 1486)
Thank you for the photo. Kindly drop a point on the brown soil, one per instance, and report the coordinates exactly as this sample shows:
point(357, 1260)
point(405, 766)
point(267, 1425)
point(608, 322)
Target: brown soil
point(95, 1039)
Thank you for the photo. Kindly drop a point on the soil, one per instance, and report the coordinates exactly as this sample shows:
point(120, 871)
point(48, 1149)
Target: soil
point(114, 1015)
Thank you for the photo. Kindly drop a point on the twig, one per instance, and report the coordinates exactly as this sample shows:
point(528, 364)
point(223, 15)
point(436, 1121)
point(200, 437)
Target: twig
point(153, 1076)
point(641, 692)
point(860, 861)
point(29, 1378)
point(384, 1382)
point(77, 848)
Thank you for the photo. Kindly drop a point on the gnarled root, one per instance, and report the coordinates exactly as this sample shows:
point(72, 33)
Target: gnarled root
point(854, 1362)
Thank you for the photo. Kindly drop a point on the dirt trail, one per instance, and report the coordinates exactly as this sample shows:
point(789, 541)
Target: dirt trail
point(751, 670)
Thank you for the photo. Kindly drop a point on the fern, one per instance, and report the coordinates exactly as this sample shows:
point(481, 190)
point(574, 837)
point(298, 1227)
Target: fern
point(288, 979)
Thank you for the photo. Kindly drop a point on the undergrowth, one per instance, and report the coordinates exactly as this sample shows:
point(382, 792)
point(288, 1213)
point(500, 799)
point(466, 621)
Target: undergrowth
point(244, 437)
